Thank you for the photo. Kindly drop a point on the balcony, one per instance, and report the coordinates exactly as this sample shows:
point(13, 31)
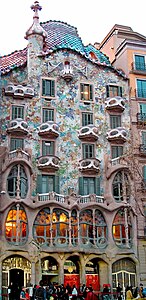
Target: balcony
point(89, 165)
point(142, 149)
point(49, 129)
point(19, 91)
point(115, 104)
point(48, 163)
point(118, 135)
point(141, 119)
point(67, 72)
point(140, 93)
point(88, 133)
point(18, 126)
point(138, 68)
point(117, 163)
point(17, 155)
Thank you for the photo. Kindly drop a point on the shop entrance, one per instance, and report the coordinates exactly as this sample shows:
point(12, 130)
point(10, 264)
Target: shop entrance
point(17, 277)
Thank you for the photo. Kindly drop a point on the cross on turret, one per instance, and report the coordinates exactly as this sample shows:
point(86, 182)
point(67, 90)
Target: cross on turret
point(36, 7)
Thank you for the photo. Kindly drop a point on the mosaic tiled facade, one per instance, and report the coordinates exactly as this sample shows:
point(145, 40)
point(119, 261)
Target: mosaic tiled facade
point(68, 210)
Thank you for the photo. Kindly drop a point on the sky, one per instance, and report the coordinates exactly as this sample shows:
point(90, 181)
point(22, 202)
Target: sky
point(92, 18)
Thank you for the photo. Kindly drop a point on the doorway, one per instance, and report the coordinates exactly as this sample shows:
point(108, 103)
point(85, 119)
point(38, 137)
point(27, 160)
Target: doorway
point(17, 276)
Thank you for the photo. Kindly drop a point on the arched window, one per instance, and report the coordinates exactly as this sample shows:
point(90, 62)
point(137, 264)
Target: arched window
point(86, 226)
point(60, 227)
point(122, 228)
point(100, 229)
point(124, 272)
point(121, 187)
point(17, 183)
point(16, 227)
point(42, 226)
point(74, 227)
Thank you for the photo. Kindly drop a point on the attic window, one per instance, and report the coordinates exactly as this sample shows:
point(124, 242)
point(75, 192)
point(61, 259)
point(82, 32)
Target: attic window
point(93, 56)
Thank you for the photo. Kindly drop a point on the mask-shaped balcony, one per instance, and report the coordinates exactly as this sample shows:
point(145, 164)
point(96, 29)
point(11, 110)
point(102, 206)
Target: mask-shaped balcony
point(115, 104)
point(88, 133)
point(89, 165)
point(49, 129)
point(19, 91)
point(48, 163)
point(118, 134)
point(18, 126)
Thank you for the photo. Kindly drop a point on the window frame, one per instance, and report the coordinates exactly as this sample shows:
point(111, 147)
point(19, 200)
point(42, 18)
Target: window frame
point(115, 121)
point(51, 147)
point(19, 114)
point(116, 90)
point(87, 118)
point(16, 141)
point(46, 113)
point(84, 92)
point(138, 64)
point(52, 88)
point(88, 150)
point(117, 151)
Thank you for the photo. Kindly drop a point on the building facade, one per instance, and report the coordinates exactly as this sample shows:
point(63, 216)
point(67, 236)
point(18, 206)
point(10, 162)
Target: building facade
point(126, 50)
point(68, 207)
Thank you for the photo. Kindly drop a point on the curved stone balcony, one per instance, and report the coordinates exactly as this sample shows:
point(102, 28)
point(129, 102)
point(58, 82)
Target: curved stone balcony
point(19, 91)
point(88, 132)
point(48, 163)
point(115, 103)
point(49, 128)
point(90, 165)
point(118, 134)
point(19, 126)
point(18, 155)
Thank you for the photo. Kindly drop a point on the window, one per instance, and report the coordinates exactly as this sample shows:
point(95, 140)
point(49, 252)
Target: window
point(17, 112)
point(86, 92)
point(16, 143)
point(140, 62)
point(48, 115)
point(142, 116)
point(17, 183)
point(122, 234)
point(116, 151)
point(144, 173)
point(144, 138)
point(113, 90)
point(48, 88)
point(89, 185)
point(88, 150)
point(115, 121)
point(87, 118)
point(47, 183)
point(47, 148)
point(16, 226)
point(121, 187)
point(141, 88)
point(124, 271)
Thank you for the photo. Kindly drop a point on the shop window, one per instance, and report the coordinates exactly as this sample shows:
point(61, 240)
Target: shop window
point(48, 88)
point(121, 187)
point(122, 228)
point(17, 112)
point(89, 185)
point(16, 143)
point(48, 115)
point(17, 182)
point(87, 118)
point(113, 91)
point(16, 226)
point(86, 92)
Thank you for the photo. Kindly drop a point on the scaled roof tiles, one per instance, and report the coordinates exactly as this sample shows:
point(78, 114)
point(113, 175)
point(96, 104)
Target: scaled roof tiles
point(60, 36)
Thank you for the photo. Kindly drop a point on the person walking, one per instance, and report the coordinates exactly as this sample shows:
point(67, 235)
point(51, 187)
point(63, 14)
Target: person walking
point(129, 295)
point(40, 293)
point(119, 290)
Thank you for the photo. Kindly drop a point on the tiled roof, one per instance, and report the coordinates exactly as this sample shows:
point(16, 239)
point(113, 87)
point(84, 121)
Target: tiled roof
point(13, 60)
point(60, 36)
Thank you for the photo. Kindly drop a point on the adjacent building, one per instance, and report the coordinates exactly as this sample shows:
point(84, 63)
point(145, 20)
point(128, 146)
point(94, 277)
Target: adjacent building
point(68, 207)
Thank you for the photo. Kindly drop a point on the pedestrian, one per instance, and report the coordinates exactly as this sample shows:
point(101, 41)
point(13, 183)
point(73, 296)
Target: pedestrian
point(65, 296)
point(90, 295)
point(40, 293)
point(27, 294)
point(119, 290)
point(74, 292)
point(22, 294)
point(129, 295)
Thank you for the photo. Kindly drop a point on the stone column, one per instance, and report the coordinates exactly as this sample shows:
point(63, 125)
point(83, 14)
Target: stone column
point(61, 272)
point(0, 280)
point(82, 271)
point(33, 279)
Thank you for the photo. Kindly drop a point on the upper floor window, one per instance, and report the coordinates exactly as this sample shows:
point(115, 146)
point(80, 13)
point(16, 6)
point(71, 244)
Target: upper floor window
point(140, 62)
point(17, 182)
point(48, 88)
point(47, 183)
point(17, 112)
point(144, 138)
point(115, 121)
point(121, 187)
point(16, 226)
point(116, 151)
point(47, 148)
point(86, 92)
point(144, 174)
point(87, 118)
point(141, 88)
point(113, 91)
point(88, 150)
point(48, 115)
point(16, 143)
point(89, 185)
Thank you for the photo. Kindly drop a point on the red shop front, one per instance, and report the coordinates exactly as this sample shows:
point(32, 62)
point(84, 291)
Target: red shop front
point(93, 280)
point(72, 279)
